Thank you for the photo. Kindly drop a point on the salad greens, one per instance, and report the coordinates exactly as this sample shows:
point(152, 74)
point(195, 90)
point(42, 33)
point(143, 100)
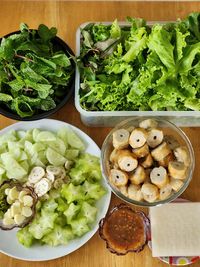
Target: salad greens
point(34, 71)
point(66, 212)
point(139, 67)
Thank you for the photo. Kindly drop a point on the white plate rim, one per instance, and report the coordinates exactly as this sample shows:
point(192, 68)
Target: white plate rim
point(43, 124)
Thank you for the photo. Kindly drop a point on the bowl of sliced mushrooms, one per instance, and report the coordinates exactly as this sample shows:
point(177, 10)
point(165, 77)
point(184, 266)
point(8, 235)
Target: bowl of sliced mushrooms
point(147, 161)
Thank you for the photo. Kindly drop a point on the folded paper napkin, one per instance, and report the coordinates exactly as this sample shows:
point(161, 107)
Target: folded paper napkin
point(175, 229)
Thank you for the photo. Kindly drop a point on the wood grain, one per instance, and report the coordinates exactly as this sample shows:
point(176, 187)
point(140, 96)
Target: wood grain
point(67, 16)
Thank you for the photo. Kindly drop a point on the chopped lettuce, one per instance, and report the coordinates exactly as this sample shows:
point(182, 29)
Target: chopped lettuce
point(147, 68)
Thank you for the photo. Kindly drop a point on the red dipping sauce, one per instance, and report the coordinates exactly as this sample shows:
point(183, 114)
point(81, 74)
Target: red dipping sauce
point(124, 230)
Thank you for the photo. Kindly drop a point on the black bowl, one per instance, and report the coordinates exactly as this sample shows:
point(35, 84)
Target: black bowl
point(59, 43)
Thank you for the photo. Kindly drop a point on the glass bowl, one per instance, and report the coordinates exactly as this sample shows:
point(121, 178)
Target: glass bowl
point(168, 129)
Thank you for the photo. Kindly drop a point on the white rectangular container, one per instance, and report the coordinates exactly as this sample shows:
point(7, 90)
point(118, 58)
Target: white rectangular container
point(111, 118)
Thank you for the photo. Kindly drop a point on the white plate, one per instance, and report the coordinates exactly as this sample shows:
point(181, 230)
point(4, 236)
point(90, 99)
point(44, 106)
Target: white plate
point(8, 241)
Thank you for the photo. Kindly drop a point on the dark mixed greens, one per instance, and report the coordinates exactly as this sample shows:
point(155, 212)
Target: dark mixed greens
point(141, 67)
point(34, 71)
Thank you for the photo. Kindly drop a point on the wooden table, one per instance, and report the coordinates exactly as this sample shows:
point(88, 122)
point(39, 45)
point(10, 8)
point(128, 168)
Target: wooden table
point(67, 16)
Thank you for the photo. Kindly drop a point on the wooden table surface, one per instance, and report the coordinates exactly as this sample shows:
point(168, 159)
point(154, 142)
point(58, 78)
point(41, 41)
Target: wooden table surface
point(67, 16)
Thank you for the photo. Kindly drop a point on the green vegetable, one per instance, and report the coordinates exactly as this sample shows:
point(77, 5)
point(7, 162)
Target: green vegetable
point(80, 226)
point(145, 69)
point(35, 72)
point(25, 237)
point(58, 236)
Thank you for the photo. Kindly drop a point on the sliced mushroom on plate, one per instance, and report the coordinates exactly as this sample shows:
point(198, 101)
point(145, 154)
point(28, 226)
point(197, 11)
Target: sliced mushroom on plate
point(53, 169)
point(42, 187)
point(36, 175)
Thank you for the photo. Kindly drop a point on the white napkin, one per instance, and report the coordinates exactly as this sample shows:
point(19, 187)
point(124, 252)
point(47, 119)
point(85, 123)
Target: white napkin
point(175, 229)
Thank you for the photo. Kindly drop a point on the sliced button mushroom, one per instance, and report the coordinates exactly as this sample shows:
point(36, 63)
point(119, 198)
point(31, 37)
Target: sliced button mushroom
point(36, 175)
point(118, 177)
point(150, 192)
point(138, 176)
point(165, 162)
point(177, 170)
point(141, 151)
point(171, 141)
point(50, 177)
point(155, 137)
point(121, 138)
point(159, 176)
point(138, 138)
point(68, 164)
point(54, 170)
point(127, 161)
point(134, 192)
point(165, 191)
point(147, 161)
point(62, 173)
point(42, 187)
point(58, 183)
point(181, 154)
point(176, 184)
point(160, 152)
point(148, 123)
